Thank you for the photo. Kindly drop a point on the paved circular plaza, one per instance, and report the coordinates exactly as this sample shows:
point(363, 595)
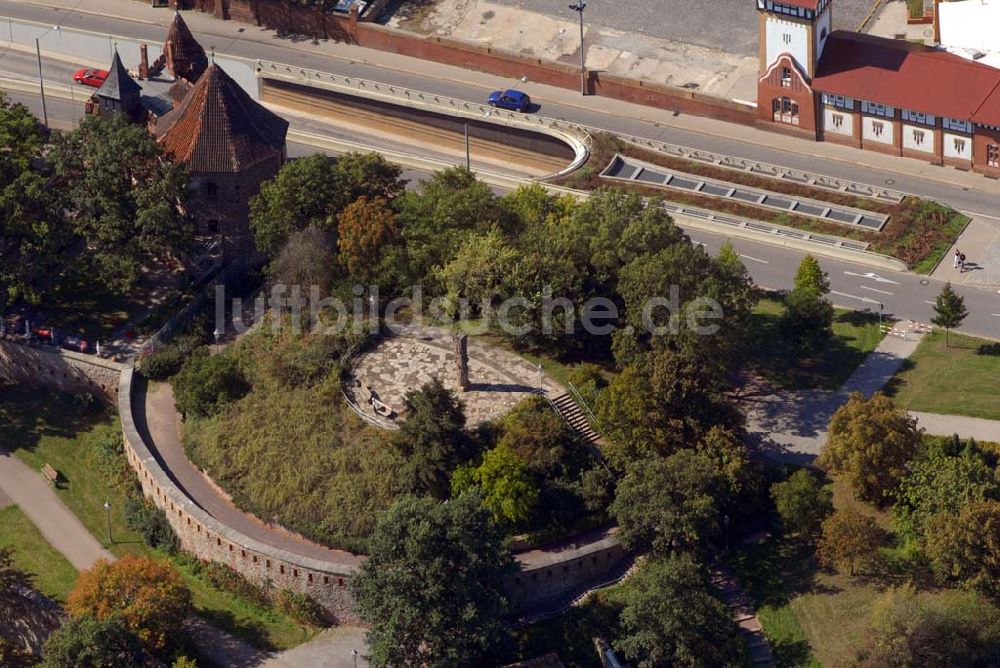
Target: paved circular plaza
point(498, 379)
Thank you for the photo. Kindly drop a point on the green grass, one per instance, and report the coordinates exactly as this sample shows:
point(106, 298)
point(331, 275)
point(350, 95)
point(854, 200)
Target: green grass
point(53, 574)
point(960, 379)
point(855, 334)
point(49, 427)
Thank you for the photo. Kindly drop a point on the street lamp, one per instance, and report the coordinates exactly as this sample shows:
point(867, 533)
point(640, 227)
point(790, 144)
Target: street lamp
point(41, 83)
point(578, 8)
point(468, 152)
point(541, 374)
point(107, 510)
point(354, 654)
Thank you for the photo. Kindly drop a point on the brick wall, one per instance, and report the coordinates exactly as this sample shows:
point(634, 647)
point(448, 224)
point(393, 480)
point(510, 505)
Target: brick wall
point(59, 369)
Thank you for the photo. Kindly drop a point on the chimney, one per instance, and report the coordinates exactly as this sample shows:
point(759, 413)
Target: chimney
point(143, 61)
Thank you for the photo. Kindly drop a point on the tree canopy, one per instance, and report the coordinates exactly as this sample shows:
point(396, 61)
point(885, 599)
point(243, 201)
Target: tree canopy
point(432, 587)
point(949, 310)
point(89, 642)
point(965, 547)
point(802, 503)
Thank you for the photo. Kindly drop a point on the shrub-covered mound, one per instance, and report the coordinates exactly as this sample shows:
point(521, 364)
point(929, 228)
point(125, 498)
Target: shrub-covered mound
point(290, 448)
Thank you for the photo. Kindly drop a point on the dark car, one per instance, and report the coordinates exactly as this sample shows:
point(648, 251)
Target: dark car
point(75, 343)
point(89, 77)
point(514, 100)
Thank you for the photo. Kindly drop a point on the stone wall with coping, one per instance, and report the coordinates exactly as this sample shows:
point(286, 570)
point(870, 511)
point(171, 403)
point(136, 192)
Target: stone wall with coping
point(49, 367)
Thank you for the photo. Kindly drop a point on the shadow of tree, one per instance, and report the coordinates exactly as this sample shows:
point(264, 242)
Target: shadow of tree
point(989, 349)
point(27, 415)
point(252, 632)
point(893, 385)
point(795, 653)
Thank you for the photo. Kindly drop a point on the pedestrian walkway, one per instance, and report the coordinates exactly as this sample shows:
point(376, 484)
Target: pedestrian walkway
point(981, 244)
point(743, 615)
point(791, 425)
point(966, 427)
point(61, 528)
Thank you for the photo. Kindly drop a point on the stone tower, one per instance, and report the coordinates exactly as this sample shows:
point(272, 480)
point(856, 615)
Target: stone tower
point(119, 94)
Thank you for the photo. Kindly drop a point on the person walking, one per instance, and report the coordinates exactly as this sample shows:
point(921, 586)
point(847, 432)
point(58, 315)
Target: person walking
point(958, 255)
point(961, 263)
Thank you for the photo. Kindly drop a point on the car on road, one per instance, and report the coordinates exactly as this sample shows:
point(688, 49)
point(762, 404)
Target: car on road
point(75, 343)
point(513, 100)
point(89, 77)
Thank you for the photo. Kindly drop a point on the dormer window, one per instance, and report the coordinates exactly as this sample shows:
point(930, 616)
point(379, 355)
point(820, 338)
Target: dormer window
point(786, 77)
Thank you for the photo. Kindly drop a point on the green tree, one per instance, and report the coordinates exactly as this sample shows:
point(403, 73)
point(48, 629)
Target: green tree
point(941, 483)
point(432, 588)
point(207, 383)
point(807, 322)
point(483, 272)
point(949, 628)
point(87, 642)
point(307, 259)
point(966, 547)
point(432, 439)
point(668, 504)
point(302, 194)
point(949, 310)
point(802, 503)
point(368, 175)
point(850, 541)
point(123, 197)
point(671, 619)
point(541, 438)
point(810, 277)
point(870, 442)
point(508, 490)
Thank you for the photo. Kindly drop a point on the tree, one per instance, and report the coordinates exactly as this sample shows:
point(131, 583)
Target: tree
point(668, 504)
point(147, 595)
point(807, 322)
point(671, 619)
point(483, 272)
point(941, 483)
point(850, 540)
point(366, 227)
point(871, 442)
point(432, 439)
point(123, 197)
point(508, 490)
point(307, 259)
point(949, 310)
point(802, 503)
point(88, 642)
point(949, 628)
point(810, 277)
point(541, 438)
point(432, 588)
point(368, 175)
point(302, 194)
point(966, 547)
point(207, 383)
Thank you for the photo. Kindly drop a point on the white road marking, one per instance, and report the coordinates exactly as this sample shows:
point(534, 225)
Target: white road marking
point(866, 300)
point(755, 259)
point(873, 276)
point(865, 287)
point(927, 302)
point(995, 315)
point(699, 243)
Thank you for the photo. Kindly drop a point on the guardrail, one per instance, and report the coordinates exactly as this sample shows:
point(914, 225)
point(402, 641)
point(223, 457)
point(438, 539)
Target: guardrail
point(759, 168)
point(349, 361)
point(576, 136)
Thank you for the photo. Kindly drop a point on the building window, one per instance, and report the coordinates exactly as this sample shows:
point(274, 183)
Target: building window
point(786, 77)
point(993, 155)
point(959, 146)
point(878, 128)
point(957, 125)
point(882, 110)
point(839, 101)
point(210, 190)
point(918, 137)
point(837, 120)
point(787, 38)
point(919, 117)
point(785, 110)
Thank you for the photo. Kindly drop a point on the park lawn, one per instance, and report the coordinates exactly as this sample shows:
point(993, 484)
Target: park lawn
point(960, 379)
point(855, 334)
point(50, 427)
point(53, 574)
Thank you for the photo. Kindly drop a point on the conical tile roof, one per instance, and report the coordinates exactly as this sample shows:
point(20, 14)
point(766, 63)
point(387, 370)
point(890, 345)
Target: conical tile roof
point(119, 85)
point(186, 56)
point(218, 127)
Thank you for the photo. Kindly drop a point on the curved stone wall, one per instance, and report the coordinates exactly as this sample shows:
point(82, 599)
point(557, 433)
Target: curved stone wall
point(546, 578)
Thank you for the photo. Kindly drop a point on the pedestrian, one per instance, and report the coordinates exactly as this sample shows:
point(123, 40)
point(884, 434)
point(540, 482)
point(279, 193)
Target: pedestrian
point(961, 263)
point(958, 255)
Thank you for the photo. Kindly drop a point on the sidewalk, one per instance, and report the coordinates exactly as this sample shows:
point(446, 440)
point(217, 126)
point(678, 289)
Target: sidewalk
point(791, 425)
point(981, 244)
point(965, 427)
point(235, 38)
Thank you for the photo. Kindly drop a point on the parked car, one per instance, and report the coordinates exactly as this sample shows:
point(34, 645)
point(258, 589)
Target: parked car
point(42, 333)
point(75, 343)
point(88, 77)
point(513, 100)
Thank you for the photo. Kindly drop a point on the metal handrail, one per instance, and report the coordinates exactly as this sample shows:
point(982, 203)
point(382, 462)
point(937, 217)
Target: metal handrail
point(583, 404)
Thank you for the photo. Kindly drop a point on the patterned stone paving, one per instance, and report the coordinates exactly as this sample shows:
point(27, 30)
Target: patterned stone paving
point(397, 365)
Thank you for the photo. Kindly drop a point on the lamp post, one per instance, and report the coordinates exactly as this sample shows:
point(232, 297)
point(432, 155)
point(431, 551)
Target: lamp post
point(468, 152)
point(107, 510)
point(578, 8)
point(354, 654)
point(881, 307)
point(541, 375)
point(41, 83)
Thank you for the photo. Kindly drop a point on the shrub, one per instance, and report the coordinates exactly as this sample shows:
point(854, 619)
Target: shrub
point(168, 359)
point(850, 540)
point(300, 607)
point(207, 383)
point(143, 517)
point(106, 454)
point(228, 580)
point(802, 503)
point(91, 643)
point(597, 488)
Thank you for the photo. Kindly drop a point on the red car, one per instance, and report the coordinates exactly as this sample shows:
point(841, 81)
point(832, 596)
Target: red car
point(88, 77)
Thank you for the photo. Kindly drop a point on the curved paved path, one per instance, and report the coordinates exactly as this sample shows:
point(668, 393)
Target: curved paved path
point(158, 422)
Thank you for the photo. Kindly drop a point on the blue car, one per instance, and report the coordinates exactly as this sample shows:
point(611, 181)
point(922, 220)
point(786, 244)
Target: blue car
point(514, 100)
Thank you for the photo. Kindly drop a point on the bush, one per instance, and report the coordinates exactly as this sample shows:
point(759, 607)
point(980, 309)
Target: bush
point(168, 359)
point(207, 383)
point(802, 503)
point(107, 456)
point(850, 540)
point(597, 488)
point(87, 642)
point(145, 518)
point(225, 578)
point(301, 607)
point(589, 380)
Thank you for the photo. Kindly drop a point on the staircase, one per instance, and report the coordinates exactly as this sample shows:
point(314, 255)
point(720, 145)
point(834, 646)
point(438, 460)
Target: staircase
point(744, 615)
point(579, 419)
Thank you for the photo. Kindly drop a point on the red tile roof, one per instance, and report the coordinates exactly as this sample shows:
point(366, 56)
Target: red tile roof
point(218, 127)
point(804, 4)
point(908, 76)
point(187, 58)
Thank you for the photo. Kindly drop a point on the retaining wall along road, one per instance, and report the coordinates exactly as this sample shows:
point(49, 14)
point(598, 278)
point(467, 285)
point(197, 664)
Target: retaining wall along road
point(64, 370)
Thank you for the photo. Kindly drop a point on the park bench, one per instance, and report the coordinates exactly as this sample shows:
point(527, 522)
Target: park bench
point(381, 408)
point(50, 474)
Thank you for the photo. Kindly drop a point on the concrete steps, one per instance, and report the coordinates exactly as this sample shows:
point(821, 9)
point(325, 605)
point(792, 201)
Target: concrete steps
point(576, 418)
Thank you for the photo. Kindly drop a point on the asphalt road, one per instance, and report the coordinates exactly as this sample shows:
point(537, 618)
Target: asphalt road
point(904, 296)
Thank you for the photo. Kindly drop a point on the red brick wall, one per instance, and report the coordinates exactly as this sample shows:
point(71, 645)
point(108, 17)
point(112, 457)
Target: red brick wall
point(981, 141)
point(770, 87)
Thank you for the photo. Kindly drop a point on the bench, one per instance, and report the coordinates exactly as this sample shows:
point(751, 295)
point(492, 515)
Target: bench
point(50, 474)
point(381, 408)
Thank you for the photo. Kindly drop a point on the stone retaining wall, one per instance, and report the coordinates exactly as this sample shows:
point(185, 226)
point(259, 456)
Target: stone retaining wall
point(46, 366)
